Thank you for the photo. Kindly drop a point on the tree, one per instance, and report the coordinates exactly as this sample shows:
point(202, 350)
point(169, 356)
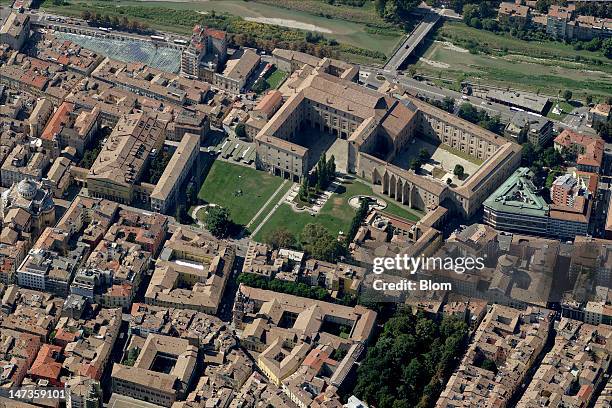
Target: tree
point(551, 157)
point(589, 99)
point(457, 5)
point(529, 154)
point(567, 95)
point(240, 130)
point(331, 168)
point(423, 155)
point(395, 11)
point(489, 365)
point(459, 171)
point(468, 112)
point(448, 104)
point(192, 194)
point(410, 361)
point(86, 15)
point(415, 164)
point(360, 215)
point(380, 6)
point(218, 221)
point(606, 47)
point(320, 243)
point(281, 238)
point(180, 209)
point(304, 192)
point(543, 5)
point(470, 11)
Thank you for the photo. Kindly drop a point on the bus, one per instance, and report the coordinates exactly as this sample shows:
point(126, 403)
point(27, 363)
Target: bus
point(158, 38)
point(181, 42)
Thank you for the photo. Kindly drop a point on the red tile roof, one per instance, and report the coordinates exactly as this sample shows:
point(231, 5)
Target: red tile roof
point(58, 121)
point(593, 147)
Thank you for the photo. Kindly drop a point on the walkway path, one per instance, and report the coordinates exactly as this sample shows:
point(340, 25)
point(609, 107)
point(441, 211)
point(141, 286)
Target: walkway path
point(263, 207)
point(272, 211)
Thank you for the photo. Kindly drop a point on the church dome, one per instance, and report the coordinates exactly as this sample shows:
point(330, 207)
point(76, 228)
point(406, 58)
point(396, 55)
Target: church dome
point(27, 189)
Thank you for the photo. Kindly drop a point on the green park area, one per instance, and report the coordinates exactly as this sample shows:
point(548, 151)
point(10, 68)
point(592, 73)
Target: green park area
point(336, 215)
point(462, 53)
point(242, 190)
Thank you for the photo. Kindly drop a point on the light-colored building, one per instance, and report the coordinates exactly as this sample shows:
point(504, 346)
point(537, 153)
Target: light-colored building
point(83, 392)
point(573, 369)
point(509, 341)
point(124, 157)
point(24, 162)
point(164, 195)
point(207, 49)
point(599, 115)
point(16, 30)
point(161, 374)
point(27, 206)
point(377, 128)
point(264, 317)
point(514, 14)
point(191, 273)
point(40, 115)
point(237, 71)
point(526, 127)
point(517, 206)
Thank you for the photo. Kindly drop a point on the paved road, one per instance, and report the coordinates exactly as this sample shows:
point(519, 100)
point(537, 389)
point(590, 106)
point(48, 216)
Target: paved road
point(575, 120)
point(42, 18)
point(412, 41)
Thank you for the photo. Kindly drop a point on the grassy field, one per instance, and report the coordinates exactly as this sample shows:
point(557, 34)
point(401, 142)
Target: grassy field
point(547, 67)
point(225, 180)
point(461, 154)
point(276, 78)
point(336, 215)
point(347, 32)
point(566, 107)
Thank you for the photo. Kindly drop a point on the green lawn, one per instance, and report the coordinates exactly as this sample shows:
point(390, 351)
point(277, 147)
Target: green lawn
point(336, 215)
point(270, 205)
point(225, 180)
point(461, 154)
point(565, 106)
point(276, 78)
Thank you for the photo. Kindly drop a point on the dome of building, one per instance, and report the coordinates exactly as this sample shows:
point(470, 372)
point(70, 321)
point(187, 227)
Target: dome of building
point(27, 189)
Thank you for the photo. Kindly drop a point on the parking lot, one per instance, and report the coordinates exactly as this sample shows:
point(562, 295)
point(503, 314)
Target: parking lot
point(231, 149)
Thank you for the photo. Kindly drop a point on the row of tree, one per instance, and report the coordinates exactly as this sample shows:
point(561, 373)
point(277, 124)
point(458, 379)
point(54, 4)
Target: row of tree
point(123, 23)
point(360, 215)
point(396, 11)
point(480, 117)
point(318, 180)
point(277, 285)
